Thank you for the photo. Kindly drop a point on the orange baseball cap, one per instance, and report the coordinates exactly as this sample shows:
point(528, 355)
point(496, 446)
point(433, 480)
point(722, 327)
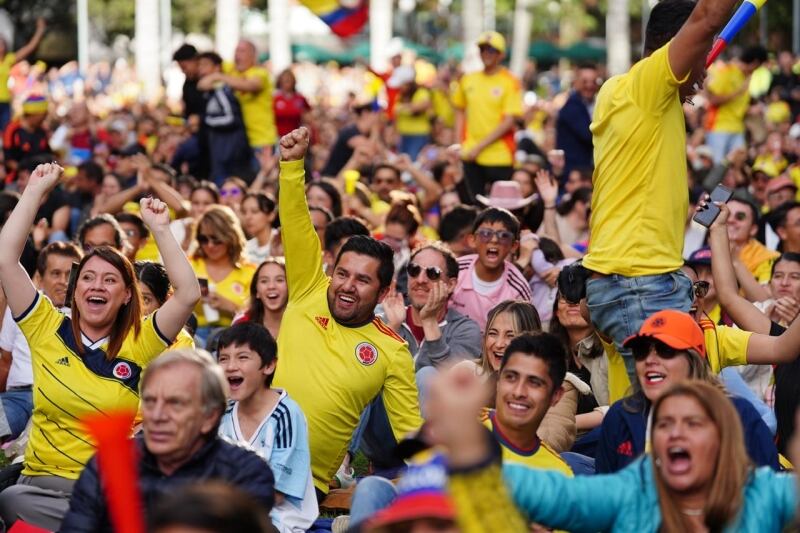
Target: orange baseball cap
point(675, 329)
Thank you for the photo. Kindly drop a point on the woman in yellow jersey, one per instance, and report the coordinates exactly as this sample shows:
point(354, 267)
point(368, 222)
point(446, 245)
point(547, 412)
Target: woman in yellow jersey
point(411, 113)
point(87, 363)
point(219, 262)
point(7, 60)
point(269, 295)
point(156, 290)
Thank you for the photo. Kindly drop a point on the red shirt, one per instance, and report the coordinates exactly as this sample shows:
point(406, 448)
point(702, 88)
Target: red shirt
point(289, 111)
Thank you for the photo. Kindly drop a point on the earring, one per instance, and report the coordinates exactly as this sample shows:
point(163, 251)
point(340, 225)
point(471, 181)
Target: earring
point(658, 462)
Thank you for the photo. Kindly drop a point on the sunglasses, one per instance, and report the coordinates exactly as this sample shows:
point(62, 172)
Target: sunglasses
point(700, 288)
point(205, 239)
point(230, 192)
point(503, 237)
point(643, 348)
point(741, 216)
point(433, 273)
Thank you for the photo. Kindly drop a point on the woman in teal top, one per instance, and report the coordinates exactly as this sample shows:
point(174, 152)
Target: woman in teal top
point(7, 60)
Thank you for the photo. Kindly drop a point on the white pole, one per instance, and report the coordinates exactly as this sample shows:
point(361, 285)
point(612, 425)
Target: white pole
point(165, 25)
point(280, 44)
point(473, 26)
point(380, 33)
point(618, 37)
point(147, 58)
point(228, 27)
point(83, 36)
point(523, 20)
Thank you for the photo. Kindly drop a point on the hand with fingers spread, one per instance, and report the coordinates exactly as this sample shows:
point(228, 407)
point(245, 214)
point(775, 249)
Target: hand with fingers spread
point(294, 145)
point(155, 213)
point(547, 187)
point(394, 307)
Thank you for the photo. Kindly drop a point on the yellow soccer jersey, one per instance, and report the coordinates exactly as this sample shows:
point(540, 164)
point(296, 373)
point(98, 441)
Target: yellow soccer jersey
point(725, 79)
point(235, 287)
point(68, 386)
point(5, 69)
point(411, 124)
point(259, 117)
point(640, 198)
point(333, 371)
point(541, 457)
point(486, 101)
point(183, 340)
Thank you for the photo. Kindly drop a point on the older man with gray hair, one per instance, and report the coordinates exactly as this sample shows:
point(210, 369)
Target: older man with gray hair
point(183, 398)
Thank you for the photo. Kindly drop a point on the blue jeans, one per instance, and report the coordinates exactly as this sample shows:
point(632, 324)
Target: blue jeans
point(17, 409)
point(722, 143)
point(581, 465)
point(618, 305)
point(413, 144)
point(372, 494)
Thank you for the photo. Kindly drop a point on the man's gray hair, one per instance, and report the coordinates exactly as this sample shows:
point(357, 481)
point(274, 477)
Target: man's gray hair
point(213, 385)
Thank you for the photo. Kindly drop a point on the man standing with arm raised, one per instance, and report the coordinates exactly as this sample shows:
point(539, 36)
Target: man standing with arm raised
point(334, 355)
point(640, 195)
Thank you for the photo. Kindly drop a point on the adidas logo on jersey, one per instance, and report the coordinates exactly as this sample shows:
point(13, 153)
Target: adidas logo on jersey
point(63, 361)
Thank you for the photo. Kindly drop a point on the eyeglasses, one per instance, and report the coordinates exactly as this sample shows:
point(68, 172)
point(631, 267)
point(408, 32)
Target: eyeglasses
point(230, 192)
point(202, 240)
point(700, 288)
point(503, 237)
point(643, 348)
point(432, 272)
point(741, 216)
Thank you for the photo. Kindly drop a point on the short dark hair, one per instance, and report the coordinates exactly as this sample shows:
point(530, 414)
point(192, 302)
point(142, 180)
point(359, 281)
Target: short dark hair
point(332, 192)
point(266, 203)
point(211, 56)
point(749, 203)
point(99, 220)
point(754, 54)
point(370, 247)
point(136, 220)
point(581, 194)
point(256, 337)
point(490, 215)
point(209, 186)
point(778, 217)
point(65, 249)
point(185, 52)
point(666, 19)
point(546, 347)
point(785, 256)
point(28, 164)
point(155, 276)
point(343, 228)
point(92, 170)
point(453, 224)
point(449, 257)
point(8, 201)
point(389, 166)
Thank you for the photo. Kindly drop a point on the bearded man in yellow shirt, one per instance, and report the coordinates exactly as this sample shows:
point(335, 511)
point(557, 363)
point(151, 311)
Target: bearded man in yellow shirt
point(640, 195)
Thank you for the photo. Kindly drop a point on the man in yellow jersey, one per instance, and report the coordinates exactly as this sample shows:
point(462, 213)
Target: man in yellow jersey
point(640, 196)
point(334, 355)
point(487, 102)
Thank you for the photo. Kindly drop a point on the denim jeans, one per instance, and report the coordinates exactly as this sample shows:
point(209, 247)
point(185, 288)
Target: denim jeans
point(17, 409)
point(372, 494)
point(722, 143)
point(618, 305)
point(413, 144)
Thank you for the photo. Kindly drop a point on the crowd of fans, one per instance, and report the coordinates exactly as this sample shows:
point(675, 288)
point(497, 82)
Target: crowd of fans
point(499, 298)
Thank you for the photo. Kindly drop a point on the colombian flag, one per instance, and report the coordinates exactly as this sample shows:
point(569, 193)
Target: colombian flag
point(344, 21)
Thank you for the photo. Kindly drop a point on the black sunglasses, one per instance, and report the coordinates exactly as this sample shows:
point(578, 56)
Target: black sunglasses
point(205, 239)
point(503, 237)
point(432, 272)
point(642, 348)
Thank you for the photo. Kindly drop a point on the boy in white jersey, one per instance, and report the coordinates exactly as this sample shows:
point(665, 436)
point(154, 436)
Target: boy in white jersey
point(269, 422)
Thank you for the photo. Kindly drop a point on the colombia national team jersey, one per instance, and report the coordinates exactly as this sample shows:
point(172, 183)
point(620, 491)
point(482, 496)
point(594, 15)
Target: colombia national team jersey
point(333, 371)
point(68, 386)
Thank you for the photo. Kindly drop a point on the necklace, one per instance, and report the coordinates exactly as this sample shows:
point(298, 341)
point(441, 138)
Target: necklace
point(692, 512)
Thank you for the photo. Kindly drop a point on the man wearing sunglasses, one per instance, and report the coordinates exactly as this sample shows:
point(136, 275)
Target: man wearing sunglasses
point(742, 229)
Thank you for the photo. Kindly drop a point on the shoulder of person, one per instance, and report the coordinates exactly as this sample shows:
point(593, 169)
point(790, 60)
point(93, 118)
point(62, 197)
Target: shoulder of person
point(387, 331)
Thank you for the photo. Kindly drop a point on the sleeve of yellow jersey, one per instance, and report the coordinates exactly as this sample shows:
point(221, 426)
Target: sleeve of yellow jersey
point(400, 396)
point(717, 82)
point(458, 98)
point(512, 106)
point(652, 83)
point(301, 245)
point(726, 347)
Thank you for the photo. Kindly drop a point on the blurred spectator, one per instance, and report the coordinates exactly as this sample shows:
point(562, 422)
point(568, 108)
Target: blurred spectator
point(572, 126)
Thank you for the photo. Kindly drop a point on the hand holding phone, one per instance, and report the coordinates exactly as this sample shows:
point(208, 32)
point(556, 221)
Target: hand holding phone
point(707, 214)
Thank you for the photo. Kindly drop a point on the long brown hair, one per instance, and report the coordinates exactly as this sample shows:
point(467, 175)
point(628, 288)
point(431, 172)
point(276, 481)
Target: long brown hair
point(224, 225)
point(730, 472)
point(129, 316)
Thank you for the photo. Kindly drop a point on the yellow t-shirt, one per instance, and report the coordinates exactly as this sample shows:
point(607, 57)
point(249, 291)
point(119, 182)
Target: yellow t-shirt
point(5, 71)
point(725, 346)
point(410, 124)
point(183, 340)
point(725, 79)
point(235, 287)
point(333, 371)
point(68, 386)
point(442, 107)
point(758, 259)
point(640, 197)
point(257, 112)
point(486, 100)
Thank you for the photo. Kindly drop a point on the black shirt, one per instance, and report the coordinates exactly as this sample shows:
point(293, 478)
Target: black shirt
point(341, 151)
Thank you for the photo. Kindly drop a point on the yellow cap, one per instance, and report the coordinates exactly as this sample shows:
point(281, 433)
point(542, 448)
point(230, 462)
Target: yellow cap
point(493, 39)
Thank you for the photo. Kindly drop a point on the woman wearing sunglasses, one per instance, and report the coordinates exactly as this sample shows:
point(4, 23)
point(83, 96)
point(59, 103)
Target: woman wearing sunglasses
point(670, 348)
point(222, 269)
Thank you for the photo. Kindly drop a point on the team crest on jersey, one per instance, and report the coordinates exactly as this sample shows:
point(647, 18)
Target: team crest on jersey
point(238, 288)
point(366, 353)
point(497, 92)
point(122, 370)
point(322, 321)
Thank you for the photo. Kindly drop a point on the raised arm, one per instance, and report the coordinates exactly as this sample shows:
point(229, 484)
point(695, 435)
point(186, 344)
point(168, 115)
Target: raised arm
point(171, 316)
point(31, 45)
point(742, 311)
point(693, 41)
point(16, 282)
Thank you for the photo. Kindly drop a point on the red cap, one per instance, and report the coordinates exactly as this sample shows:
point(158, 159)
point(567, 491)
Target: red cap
point(675, 329)
point(428, 504)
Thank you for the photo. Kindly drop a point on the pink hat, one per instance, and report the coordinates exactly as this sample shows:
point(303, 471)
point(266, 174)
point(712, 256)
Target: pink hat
point(781, 182)
point(505, 194)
